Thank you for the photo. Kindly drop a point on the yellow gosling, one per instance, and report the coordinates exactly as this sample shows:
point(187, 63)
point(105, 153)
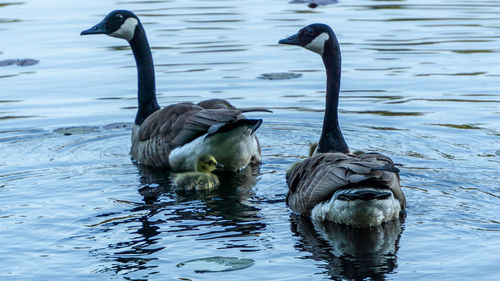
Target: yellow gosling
point(312, 149)
point(202, 178)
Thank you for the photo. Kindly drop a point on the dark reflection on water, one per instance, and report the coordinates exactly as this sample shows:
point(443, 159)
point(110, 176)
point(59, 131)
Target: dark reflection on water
point(224, 215)
point(132, 256)
point(9, 20)
point(11, 3)
point(349, 253)
point(17, 74)
point(385, 113)
point(7, 117)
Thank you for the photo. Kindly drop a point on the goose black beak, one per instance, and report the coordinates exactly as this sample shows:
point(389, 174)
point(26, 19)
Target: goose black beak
point(291, 40)
point(219, 166)
point(96, 29)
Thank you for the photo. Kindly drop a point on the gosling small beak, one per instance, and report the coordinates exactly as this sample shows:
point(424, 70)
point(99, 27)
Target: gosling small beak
point(291, 40)
point(219, 166)
point(96, 29)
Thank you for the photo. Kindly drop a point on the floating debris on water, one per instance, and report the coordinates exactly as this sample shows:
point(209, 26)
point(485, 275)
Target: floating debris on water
point(279, 75)
point(76, 130)
point(217, 264)
point(119, 125)
point(314, 3)
point(7, 62)
point(26, 62)
point(19, 62)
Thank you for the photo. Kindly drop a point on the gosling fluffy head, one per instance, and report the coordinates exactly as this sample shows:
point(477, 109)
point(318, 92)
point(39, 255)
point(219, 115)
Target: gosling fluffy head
point(206, 164)
point(118, 23)
point(202, 179)
point(312, 148)
point(313, 37)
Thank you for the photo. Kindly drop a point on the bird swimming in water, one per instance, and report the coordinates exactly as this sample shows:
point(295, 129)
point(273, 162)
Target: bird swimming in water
point(175, 136)
point(202, 178)
point(360, 190)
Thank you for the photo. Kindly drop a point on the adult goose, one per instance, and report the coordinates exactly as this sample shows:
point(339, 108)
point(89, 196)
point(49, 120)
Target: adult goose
point(175, 136)
point(333, 185)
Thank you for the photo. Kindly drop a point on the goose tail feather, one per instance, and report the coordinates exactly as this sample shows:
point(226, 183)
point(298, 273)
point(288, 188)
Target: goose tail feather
point(252, 124)
point(387, 167)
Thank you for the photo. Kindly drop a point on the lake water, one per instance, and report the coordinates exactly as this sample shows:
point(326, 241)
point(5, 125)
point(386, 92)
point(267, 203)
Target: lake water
point(420, 83)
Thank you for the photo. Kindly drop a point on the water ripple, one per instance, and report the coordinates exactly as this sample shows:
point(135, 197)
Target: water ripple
point(418, 84)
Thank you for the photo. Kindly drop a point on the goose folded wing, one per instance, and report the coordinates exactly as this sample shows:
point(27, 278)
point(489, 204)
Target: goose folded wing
point(314, 181)
point(202, 121)
point(166, 122)
point(384, 172)
point(181, 123)
point(317, 178)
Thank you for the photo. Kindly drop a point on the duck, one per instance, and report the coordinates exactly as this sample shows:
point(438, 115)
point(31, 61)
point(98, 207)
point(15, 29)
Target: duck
point(202, 178)
point(333, 185)
point(175, 136)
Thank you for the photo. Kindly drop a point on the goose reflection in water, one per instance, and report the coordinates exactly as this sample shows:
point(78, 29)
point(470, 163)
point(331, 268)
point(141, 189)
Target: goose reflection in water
point(224, 216)
point(234, 187)
point(350, 252)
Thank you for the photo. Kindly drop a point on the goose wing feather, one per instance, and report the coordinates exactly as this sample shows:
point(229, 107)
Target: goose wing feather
point(200, 123)
point(162, 122)
point(181, 123)
point(318, 177)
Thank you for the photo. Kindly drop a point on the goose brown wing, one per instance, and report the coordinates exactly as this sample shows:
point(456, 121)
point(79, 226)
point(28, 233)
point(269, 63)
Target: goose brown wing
point(165, 122)
point(200, 123)
point(318, 177)
point(181, 123)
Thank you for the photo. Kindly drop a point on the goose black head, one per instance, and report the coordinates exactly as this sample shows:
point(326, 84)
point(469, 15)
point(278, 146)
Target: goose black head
point(313, 37)
point(118, 23)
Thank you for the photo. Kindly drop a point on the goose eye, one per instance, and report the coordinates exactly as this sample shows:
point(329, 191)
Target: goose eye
point(119, 17)
point(309, 31)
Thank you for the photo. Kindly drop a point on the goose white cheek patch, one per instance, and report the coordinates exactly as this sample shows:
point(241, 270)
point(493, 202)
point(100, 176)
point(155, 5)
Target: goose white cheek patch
point(127, 30)
point(317, 45)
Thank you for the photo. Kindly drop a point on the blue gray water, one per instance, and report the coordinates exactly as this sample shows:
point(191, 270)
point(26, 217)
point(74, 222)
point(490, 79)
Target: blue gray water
point(421, 83)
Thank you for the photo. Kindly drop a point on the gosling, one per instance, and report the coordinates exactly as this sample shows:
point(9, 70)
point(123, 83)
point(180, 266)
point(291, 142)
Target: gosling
point(202, 178)
point(312, 149)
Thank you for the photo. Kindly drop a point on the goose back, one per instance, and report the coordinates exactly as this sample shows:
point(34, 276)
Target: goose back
point(317, 178)
point(176, 125)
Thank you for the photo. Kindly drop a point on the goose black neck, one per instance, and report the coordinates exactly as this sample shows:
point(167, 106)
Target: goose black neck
point(145, 74)
point(331, 137)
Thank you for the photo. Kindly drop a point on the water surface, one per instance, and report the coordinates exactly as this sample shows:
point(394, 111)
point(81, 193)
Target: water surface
point(420, 83)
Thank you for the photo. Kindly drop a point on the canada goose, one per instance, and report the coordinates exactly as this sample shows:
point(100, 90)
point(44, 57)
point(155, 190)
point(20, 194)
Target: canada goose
point(202, 178)
point(332, 185)
point(174, 137)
